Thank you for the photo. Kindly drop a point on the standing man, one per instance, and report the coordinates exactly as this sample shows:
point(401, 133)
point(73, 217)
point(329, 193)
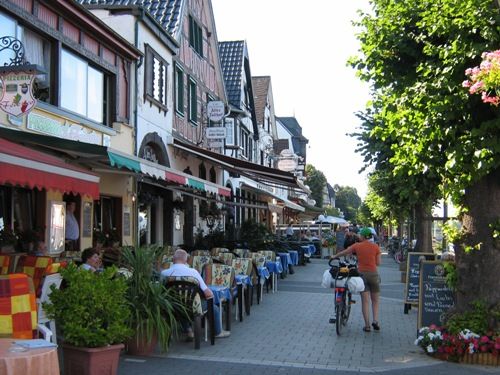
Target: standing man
point(179, 269)
point(369, 257)
point(72, 228)
point(289, 231)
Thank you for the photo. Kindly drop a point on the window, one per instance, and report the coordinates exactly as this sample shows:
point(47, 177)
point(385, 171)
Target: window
point(156, 78)
point(179, 90)
point(202, 171)
point(193, 102)
point(229, 131)
point(213, 176)
point(195, 36)
point(107, 214)
point(82, 88)
point(37, 51)
point(244, 143)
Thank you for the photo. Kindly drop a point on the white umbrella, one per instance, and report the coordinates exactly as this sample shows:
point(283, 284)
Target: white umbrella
point(330, 220)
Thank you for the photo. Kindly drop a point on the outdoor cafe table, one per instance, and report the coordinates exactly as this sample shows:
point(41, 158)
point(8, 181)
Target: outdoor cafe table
point(309, 249)
point(221, 294)
point(294, 255)
point(274, 267)
point(30, 362)
point(285, 261)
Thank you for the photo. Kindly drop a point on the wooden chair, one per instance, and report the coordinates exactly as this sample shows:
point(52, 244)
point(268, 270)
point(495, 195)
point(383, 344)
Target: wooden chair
point(191, 295)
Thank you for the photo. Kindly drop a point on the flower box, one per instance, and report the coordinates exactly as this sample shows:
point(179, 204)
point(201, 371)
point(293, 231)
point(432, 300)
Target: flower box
point(480, 359)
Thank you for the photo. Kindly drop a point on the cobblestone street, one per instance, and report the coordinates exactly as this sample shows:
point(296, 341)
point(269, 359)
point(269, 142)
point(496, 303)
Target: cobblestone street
point(289, 333)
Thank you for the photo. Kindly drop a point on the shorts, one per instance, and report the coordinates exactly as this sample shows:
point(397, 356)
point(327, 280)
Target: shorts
point(372, 281)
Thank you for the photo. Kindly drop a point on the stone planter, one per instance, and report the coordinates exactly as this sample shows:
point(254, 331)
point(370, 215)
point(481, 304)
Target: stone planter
point(91, 361)
point(139, 346)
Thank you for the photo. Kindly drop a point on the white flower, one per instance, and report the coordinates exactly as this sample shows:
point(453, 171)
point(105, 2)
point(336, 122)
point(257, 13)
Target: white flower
point(417, 341)
point(438, 334)
point(423, 330)
point(431, 335)
point(430, 349)
point(471, 348)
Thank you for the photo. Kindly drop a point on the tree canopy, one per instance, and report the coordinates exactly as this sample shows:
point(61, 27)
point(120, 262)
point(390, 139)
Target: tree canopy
point(348, 201)
point(422, 130)
point(316, 181)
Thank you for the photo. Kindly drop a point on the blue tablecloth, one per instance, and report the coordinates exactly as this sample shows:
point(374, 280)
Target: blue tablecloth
point(274, 267)
point(263, 273)
point(309, 249)
point(285, 260)
point(243, 279)
point(220, 293)
point(294, 255)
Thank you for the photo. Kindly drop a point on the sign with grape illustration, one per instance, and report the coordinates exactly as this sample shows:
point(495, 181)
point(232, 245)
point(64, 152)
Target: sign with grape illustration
point(16, 96)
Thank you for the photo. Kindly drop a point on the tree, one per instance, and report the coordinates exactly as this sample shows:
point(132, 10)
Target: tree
point(415, 54)
point(348, 201)
point(317, 183)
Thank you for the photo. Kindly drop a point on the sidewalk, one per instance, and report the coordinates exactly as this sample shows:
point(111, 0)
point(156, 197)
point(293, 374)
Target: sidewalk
point(289, 333)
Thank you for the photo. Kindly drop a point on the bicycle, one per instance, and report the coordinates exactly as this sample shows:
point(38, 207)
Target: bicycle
point(343, 297)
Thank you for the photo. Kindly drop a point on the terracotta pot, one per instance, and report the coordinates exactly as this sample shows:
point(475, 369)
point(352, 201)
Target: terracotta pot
point(90, 361)
point(481, 359)
point(140, 346)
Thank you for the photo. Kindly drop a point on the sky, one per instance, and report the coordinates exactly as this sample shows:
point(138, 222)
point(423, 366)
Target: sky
point(304, 46)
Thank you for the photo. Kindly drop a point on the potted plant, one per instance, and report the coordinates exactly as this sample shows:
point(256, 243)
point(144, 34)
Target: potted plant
point(8, 240)
point(93, 313)
point(154, 308)
point(98, 237)
point(113, 238)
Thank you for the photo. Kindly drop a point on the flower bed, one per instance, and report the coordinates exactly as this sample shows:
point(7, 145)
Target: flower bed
point(465, 347)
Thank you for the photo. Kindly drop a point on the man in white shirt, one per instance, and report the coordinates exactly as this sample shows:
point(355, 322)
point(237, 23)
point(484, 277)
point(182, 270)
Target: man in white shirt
point(180, 268)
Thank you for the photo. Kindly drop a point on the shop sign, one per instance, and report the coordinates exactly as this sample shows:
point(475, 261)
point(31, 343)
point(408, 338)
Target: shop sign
point(56, 128)
point(216, 132)
point(215, 110)
point(216, 144)
point(17, 92)
point(287, 165)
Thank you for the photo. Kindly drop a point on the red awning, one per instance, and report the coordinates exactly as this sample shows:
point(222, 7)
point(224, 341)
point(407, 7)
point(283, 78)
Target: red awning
point(23, 166)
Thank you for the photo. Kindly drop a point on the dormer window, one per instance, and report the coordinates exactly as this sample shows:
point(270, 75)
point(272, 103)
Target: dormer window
point(195, 36)
point(156, 79)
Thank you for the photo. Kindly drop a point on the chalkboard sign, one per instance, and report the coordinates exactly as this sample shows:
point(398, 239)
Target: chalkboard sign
point(412, 275)
point(435, 297)
point(339, 240)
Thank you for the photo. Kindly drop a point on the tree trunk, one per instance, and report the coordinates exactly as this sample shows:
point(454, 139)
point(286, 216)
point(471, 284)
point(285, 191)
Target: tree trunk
point(423, 214)
point(478, 270)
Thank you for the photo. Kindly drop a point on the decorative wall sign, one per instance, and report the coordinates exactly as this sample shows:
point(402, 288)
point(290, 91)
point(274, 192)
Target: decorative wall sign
point(16, 80)
point(16, 96)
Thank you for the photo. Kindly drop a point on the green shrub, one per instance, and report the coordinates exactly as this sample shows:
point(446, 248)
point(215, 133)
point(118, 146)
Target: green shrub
point(475, 320)
point(91, 309)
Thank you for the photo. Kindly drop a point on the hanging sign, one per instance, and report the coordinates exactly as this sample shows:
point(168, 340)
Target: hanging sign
point(215, 110)
point(16, 95)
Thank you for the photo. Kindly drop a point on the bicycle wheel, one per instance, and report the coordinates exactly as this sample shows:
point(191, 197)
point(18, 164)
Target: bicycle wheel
point(347, 306)
point(338, 317)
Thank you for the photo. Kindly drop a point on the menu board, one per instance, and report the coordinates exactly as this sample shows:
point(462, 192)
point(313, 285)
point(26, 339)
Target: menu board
point(412, 275)
point(87, 219)
point(435, 297)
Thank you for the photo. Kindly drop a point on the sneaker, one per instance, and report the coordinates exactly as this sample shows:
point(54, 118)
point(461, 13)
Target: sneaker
point(223, 334)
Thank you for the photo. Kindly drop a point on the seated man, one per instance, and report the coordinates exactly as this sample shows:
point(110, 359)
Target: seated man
point(180, 268)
